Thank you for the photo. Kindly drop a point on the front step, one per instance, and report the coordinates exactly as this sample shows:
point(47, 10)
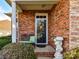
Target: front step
point(44, 58)
point(44, 52)
point(48, 48)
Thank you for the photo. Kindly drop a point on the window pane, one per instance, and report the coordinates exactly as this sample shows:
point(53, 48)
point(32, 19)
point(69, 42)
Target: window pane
point(41, 31)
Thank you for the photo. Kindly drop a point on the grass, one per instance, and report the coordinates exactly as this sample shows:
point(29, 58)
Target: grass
point(4, 41)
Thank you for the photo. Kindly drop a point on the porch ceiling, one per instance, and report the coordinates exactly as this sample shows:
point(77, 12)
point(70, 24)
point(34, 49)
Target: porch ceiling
point(36, 4)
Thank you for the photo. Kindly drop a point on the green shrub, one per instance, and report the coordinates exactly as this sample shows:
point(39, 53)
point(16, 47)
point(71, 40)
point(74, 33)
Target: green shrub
point(4, 40)
point(18, 51)
point(73, 54)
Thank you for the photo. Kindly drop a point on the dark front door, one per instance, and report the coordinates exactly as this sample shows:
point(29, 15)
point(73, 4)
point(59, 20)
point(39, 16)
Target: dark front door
point(41, 30)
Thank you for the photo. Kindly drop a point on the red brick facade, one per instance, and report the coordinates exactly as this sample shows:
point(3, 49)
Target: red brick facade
point(58, 22)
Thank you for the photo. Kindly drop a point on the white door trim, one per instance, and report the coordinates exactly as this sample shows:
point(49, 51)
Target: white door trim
point(41, 14)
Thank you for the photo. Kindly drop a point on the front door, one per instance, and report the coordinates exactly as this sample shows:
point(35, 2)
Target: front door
point(41, 28)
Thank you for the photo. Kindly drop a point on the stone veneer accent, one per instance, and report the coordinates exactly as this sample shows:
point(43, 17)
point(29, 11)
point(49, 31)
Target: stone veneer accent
point(74, 24)
point(58, 22)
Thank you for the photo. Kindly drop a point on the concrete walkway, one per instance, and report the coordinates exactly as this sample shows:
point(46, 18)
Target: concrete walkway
point(1, 56)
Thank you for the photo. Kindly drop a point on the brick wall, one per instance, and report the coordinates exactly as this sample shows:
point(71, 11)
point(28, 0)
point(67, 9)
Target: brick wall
point(74, 24)
point(59, 23)
point(27, 21)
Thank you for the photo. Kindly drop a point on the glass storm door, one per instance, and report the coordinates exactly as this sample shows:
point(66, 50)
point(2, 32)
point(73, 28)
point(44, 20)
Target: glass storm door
point(41, 28)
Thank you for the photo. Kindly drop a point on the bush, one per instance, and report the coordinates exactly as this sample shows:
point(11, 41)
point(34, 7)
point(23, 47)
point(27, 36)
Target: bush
point(4, 40)
point(18, 51)
point(73, 54)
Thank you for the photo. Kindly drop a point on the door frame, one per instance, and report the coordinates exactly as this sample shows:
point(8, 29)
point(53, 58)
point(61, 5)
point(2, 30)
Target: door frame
point(41, 14)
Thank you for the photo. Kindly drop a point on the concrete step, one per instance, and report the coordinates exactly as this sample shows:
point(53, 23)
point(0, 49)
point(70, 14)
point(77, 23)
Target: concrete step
point(48, 48)
point(44, 54)
point(47, 51)
point(44, 58)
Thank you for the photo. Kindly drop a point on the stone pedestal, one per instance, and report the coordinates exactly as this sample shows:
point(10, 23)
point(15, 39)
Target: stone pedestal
point(59, 49)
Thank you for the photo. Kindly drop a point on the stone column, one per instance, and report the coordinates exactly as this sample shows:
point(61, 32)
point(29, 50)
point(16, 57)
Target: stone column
point(74, 24)
point(59, 49)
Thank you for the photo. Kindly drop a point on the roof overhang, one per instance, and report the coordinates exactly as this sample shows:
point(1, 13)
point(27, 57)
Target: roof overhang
point(37, 1)
point(34, 4)
point(8, 14)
